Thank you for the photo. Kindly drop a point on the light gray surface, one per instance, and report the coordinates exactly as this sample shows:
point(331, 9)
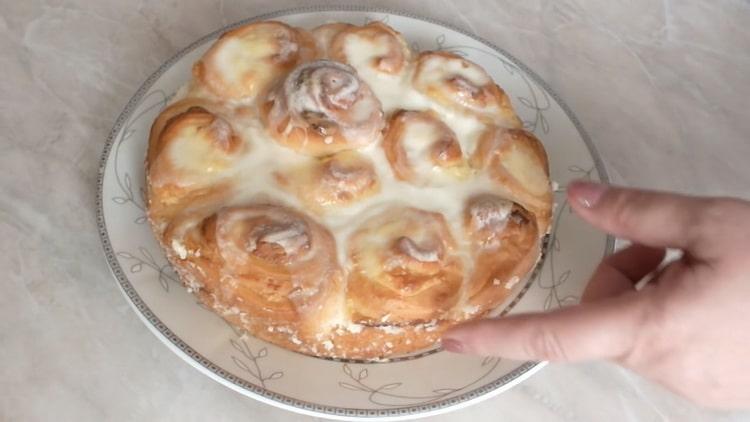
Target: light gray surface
point(661, 87)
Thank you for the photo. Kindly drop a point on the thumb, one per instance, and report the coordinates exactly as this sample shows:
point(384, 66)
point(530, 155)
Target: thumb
point(606, 329)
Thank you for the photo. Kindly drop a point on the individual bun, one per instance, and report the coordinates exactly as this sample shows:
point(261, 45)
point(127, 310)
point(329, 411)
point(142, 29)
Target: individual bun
point(274, 263)
point(246, 61)
point(464, 86)
point(404, 265)
point(417, 143)
point(324, 34)
point(516, 161)
point(504, 237)
point(321, 108)
point(331, 182)
point(374, 46)
point(193, 147)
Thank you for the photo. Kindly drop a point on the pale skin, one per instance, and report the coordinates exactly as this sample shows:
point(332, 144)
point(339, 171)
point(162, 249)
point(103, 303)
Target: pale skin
point(687, 329)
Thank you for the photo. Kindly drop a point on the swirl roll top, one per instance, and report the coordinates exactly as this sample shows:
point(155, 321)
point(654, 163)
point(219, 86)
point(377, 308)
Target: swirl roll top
point(404, 268)
point(464, 86)
point(332, 182)
point(246, 61)
point(422, 150)
point(192, 149)
point(323, 107)
point(505, 245)
point(374, 46)
point(515, 159)
point(273, 261)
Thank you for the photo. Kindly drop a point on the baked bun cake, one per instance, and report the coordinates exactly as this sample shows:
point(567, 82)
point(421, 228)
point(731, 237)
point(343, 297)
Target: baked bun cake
point(338, 194)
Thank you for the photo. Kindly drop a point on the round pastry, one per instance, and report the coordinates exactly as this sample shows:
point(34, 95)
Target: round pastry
point(323, 107)
point(420, 148)
point(375, 46)
point(515, 159)
point(502, 235)
point(245, 61)
point(462, 85)
point(333, 194)
point(274, 264)
point(192, 151)
point(333, 181)
point(404, 264)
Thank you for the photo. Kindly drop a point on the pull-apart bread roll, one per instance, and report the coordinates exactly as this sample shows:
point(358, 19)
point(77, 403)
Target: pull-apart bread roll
point(405, 265)
point(515, 159)
point(462, 85)
point(192, 151)
point(262, 266)
point(244, 62)
point(321, 108)
point(374, 47)
point(331, 182)
point(339, 195)
point(417, 143)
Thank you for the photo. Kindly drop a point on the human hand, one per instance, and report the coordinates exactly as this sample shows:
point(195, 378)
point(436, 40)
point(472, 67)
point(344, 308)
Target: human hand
point(686, 329)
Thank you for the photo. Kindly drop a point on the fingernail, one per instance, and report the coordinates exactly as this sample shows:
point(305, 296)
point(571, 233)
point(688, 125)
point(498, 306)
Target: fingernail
point(452, 345)
point(588, 193)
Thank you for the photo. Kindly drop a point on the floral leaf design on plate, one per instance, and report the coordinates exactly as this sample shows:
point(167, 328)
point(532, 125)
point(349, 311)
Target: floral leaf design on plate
point(554, 298)
point(165, 273)
point(249, 361)
point(155, 100)
point(386, 395)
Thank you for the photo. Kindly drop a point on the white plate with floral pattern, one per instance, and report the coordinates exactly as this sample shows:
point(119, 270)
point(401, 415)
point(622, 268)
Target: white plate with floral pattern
point(430, 384)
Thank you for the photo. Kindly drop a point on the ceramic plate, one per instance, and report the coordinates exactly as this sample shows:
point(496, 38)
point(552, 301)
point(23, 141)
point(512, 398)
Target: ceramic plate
point(428, 384)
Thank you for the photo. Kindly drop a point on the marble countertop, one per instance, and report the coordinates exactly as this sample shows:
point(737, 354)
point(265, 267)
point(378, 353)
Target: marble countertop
point(661, 86)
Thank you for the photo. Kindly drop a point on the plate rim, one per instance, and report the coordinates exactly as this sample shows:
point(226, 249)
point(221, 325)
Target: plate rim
point(213, 371)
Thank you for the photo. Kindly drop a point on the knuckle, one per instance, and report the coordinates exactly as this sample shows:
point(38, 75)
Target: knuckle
point(718, 216)
point(621, 210)
point(646, 340)
point(545, 344)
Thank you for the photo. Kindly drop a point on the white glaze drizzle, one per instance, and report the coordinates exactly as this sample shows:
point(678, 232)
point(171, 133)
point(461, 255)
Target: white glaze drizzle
point(253, 172)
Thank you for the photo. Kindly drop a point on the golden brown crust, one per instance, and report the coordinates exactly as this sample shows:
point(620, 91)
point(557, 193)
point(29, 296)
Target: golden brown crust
point(362, 342)
point(376, 35)
point(191, 147)
point(505, 246)
point(246, 61)
point(462, 85)
point(516, 160)
point(442, 149)
point(271, 262)
point(318, 110)
point(404, 268)
point(324, 34)
point(335, 181)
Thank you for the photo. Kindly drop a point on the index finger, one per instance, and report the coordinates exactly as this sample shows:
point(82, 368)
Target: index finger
point(651, 218)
